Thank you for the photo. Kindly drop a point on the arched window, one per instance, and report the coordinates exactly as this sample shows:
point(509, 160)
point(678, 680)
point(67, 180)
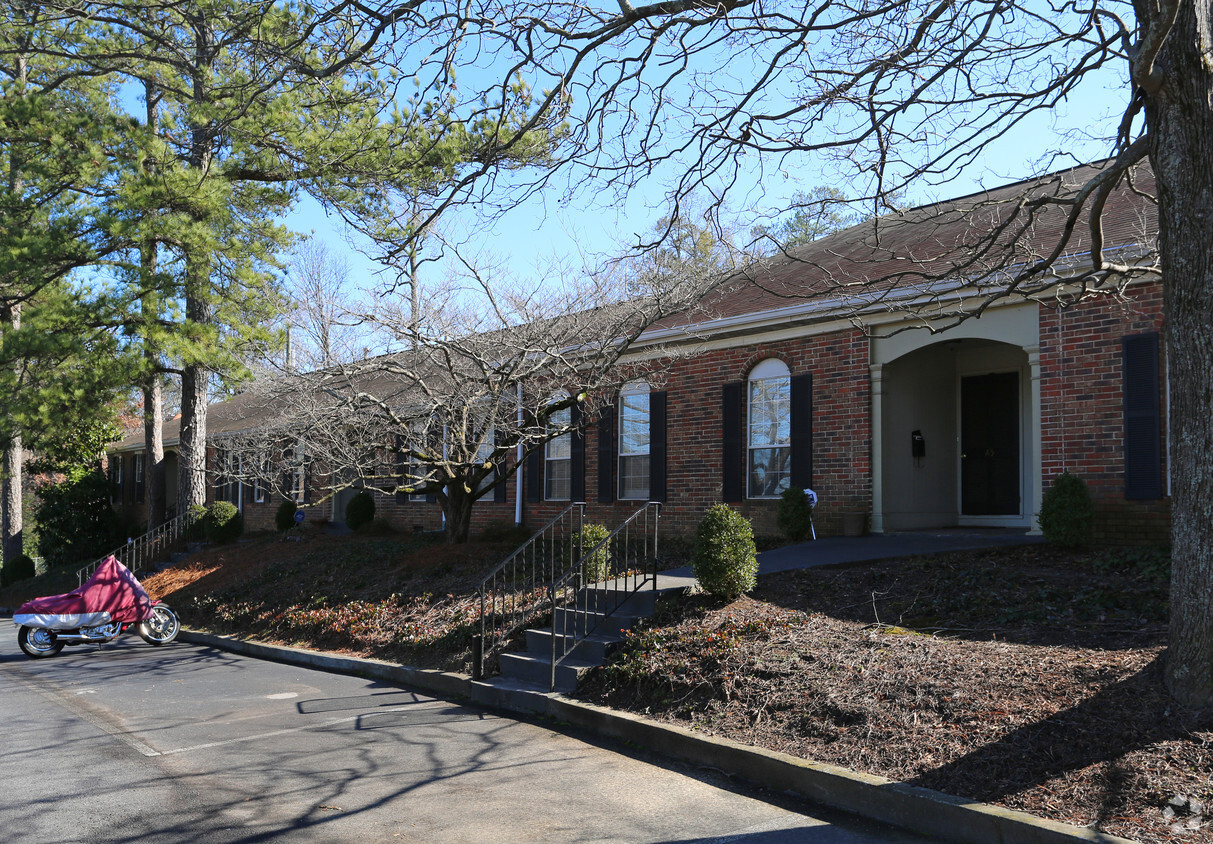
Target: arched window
point(635, 441)
point(769, 429)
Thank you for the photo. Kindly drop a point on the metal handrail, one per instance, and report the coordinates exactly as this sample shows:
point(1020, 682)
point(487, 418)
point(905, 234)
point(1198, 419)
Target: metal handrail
point(137, 554)
point(513, 593)
point(579, 608)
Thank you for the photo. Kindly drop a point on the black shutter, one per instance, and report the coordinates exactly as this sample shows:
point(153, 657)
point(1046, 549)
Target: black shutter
point(534, 476)
point(730, 441)
point(140, 480)
point(1143, 435)
point(307, 483)
point(402, 497)
point(802, 430)
point(128, 475)
point(499, 458)
point(657, 446)
point(606, 455)
point(577, 453)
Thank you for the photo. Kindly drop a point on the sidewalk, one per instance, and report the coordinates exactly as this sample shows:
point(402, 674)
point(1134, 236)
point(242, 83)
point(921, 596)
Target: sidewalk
point(832, 550)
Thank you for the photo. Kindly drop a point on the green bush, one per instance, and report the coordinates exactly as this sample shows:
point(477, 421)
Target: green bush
point(284, 518)
point(360, 510)
point(597, 566)
point(724, 558)
point(18, 568)
point(222, 523)
point(75, 520)
point(1067, 513)
point(795, 516)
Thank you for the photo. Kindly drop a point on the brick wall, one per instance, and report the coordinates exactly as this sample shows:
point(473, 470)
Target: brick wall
point(1082, 407)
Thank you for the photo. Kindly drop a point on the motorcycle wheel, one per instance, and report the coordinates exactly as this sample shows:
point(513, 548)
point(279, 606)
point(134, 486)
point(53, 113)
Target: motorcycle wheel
point(38, 642)
point(161, 628)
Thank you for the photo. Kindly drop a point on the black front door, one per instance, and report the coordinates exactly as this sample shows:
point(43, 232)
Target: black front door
point(989, 445)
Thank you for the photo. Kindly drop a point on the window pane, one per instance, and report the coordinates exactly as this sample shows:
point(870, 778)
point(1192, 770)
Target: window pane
point(558, 480)
point(769, 471)
point(634, 477)
point(634, 424)
point(770, 412)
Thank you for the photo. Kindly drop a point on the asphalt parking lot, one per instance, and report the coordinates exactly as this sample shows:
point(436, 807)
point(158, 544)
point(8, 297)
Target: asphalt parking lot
point(187, 743)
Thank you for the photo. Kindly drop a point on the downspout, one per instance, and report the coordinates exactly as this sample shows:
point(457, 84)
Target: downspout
point(518, 466)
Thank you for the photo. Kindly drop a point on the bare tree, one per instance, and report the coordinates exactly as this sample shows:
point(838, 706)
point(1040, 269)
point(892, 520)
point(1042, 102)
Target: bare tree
point(490, 367)
point(322, 304)
point(903, 96)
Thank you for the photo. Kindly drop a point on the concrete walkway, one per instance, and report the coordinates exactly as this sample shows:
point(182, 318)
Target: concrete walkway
point(832, 550)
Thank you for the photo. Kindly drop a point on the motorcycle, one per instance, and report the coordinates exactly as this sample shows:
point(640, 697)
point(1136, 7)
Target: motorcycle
point(106, 606)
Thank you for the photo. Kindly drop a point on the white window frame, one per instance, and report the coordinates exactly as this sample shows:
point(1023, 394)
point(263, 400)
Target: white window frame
point(638, 420)
point(261, 484)
point(558, 452)
point(768, 428)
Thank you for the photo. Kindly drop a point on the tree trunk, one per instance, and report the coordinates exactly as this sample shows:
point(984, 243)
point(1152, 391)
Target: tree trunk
point(1180, 119)
point(457, 510)
point(14, 460)
point(153, 438)
point(191, 449)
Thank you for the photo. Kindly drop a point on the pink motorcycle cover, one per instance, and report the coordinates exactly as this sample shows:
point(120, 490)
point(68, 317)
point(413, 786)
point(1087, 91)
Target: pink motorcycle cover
point(111, 594)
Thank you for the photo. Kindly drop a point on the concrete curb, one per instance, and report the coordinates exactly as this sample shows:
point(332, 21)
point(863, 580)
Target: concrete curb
point(921, 810)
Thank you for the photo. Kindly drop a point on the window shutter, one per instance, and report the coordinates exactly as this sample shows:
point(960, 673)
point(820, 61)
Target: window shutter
point(657, 446)
point(499, 491)
point(606, 454)
point(402, 497)
point(140, 479)
point(1142, 434)
point(731, 450)
point(307, 482)
point(802, 430)
point(577, 449)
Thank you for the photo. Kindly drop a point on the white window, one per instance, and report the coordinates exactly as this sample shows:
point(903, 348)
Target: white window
point(769, 429)
point(558, 459)
point(260, 486)
point(484, 454)
point(116, 478)
point(634, 441)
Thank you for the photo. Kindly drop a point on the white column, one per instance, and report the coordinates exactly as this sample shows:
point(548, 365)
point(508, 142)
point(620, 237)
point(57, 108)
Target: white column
point(876, 372)
point(1034, 459)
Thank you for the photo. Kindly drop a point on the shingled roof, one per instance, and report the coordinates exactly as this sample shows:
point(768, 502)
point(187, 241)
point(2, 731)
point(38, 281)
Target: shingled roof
point(986, 238)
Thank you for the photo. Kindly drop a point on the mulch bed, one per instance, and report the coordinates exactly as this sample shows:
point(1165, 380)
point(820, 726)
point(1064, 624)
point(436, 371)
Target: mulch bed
point(1023, 677)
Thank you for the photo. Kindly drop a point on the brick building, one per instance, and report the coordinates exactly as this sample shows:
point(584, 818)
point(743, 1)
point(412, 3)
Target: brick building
point(801, 372)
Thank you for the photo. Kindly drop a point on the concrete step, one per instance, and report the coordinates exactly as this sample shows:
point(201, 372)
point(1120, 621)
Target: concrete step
point(537, 671)
point(572, 622)
point(593, 648)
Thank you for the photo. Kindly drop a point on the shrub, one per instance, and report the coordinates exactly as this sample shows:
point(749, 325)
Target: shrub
point(1067, 512)
point(795, 516)
point(284, 518)
point(222, 523)
point(18, 568)
point(505, 532)
point(597, 566)
point(724, 558)
point(360, 510)
point(75, 520)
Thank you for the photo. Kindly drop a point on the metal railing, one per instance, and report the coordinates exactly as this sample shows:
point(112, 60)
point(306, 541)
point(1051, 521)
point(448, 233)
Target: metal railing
point(554, 573)
point(517, 590)
point(606, 576)
point(157, 545)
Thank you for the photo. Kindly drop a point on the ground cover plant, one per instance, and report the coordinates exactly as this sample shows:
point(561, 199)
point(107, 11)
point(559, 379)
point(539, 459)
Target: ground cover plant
point(398, 597)
point(1029, 677)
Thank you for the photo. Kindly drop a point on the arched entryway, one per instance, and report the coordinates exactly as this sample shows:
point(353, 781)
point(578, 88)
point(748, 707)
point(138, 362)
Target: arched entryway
point(956, 425)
